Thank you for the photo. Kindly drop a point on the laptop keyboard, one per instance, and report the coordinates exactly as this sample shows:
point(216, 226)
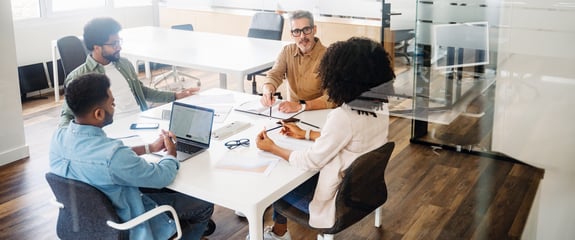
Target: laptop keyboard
point(188, 148)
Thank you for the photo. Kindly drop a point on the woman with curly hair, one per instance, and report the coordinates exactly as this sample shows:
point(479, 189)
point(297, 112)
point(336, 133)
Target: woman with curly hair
point(348, 69)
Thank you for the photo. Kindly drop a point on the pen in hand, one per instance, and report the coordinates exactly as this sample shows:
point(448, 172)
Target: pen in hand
point(282, 122)
point(271, 100)
point(297, 120)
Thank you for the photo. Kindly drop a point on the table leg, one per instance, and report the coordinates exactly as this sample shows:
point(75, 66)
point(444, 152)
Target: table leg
point(255, 222)
point(148, 72)
point(55, 72)
point(234, 77)
point(223, 81)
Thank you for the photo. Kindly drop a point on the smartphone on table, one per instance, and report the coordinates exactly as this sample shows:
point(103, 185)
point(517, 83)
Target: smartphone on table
point(144, 126)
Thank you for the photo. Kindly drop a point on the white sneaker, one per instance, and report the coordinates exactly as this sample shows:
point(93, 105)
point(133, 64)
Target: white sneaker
point(270, 235)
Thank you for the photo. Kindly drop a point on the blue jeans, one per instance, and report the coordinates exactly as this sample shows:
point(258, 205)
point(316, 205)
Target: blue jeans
point(299, 198)
point(194, 214)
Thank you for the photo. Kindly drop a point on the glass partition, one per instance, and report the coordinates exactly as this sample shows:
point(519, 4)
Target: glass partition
point(464, 52)
point(454, 73)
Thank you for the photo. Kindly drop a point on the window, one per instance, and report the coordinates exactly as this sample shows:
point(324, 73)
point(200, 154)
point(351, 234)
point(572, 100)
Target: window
point(68, 5)
point(23, 9)
point(132, 3)
point(26, 9)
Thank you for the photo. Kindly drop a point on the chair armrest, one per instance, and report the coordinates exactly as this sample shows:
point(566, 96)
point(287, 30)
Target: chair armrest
point(55, 202)
point(146, 216)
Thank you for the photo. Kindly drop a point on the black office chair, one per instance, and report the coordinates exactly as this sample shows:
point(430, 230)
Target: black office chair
point(175, 72)
point(72, 52)
point(265, 25)
point(86, 213)
point(185, 27)
point(362, 191)
point(402, 38)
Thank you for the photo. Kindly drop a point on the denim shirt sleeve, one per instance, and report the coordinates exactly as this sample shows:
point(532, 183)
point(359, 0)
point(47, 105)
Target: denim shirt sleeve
point(126, 168)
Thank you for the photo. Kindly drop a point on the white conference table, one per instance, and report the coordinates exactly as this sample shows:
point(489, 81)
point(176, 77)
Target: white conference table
point(234, 57)
point(198, 176)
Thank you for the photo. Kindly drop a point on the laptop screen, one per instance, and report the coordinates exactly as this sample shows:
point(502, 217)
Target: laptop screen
point(192, 123)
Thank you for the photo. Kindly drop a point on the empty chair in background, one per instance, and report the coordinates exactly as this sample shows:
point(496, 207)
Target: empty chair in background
point(72, 52)
point(265, 25)
point(176, 73)
point(402, 38)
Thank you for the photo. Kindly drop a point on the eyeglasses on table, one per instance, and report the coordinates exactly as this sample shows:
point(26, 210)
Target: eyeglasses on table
point(235, 143)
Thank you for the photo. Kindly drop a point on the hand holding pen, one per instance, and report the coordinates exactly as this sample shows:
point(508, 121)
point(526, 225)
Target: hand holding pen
point(267, 99)
point(169, 142)
point(282, 123)
point(166, 141)
point(291, 129)
point(271, 100)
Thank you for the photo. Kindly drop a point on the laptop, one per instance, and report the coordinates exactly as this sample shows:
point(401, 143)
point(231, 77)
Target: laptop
point(192, 126)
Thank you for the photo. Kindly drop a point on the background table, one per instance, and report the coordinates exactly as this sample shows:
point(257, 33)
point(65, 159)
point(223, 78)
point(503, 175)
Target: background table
point(231, 56)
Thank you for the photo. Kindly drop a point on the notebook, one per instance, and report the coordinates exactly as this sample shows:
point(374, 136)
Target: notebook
point(255, 107)
point(192, 126)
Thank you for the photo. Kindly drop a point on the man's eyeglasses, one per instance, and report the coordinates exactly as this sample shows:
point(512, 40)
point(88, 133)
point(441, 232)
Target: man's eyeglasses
point(297, 32)
point(235, 143)
point(115, 44)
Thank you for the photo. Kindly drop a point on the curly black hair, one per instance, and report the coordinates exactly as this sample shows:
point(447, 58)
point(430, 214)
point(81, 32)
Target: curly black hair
point(98, 30)
point(352, 67)
point(86, 92)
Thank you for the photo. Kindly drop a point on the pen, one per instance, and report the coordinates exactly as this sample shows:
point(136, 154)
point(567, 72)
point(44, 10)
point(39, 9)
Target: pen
point(288, 120)
point(309, 124)
point(173, 140)
point(271, 99)
point(297, 120)
point(274, 128)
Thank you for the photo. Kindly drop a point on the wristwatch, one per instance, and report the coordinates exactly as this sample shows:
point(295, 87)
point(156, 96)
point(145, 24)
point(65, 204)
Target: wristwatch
point(147, 147)
point(302, 103)
point(307, 134)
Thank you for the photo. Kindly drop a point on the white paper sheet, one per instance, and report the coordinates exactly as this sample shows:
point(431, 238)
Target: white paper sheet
point(242, 160)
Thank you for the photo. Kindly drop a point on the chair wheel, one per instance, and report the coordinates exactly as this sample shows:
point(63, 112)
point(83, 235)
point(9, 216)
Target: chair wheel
point(211, 228)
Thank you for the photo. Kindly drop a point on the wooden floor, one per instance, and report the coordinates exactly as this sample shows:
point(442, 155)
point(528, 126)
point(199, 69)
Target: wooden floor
point(433, 194)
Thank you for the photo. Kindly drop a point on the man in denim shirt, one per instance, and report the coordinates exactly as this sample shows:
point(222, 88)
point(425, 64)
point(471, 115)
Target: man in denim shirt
point(83, 152)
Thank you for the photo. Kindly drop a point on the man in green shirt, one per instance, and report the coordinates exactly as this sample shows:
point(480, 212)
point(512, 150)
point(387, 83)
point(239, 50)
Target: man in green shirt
point(102, 39)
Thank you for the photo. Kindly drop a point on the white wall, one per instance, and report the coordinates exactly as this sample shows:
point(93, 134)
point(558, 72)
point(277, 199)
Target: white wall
point(404, 18)
point(534, 107)
point(217, 21)
point(12, 142)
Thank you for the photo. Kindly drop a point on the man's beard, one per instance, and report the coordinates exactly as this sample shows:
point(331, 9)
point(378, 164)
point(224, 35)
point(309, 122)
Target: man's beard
point(114, 57)
point(306, 48)
point(108, 118)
